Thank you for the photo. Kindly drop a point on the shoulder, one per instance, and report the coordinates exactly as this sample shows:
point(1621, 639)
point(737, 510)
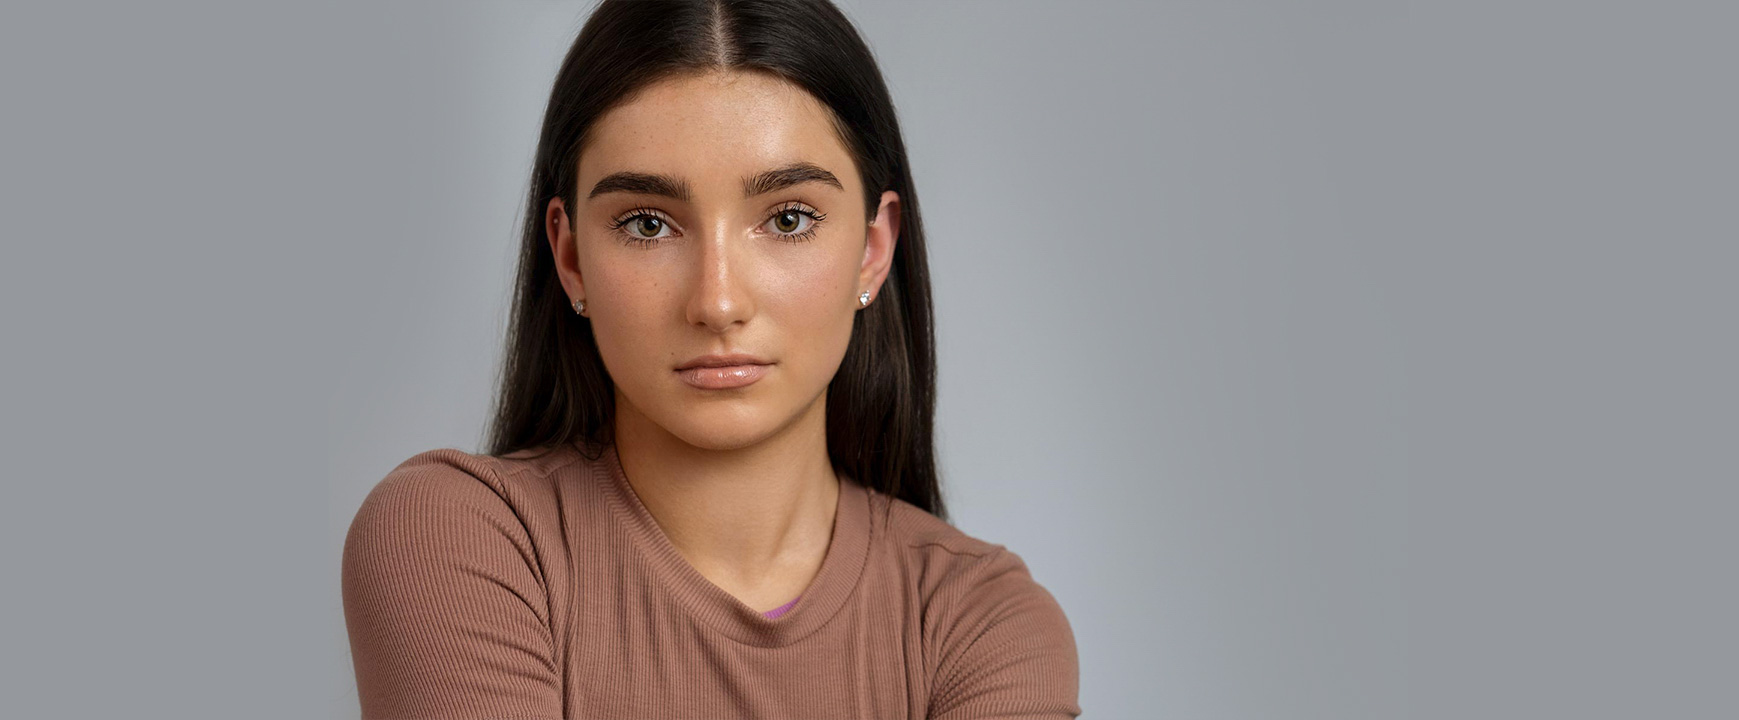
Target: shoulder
point(441, 532)
point(445, 600)
point(451, 485)
point(444, 506)
point(997, 640)
point(437, 475)
point(950, 564)
point(429, 486)
point(915, 528)
point(437, 501)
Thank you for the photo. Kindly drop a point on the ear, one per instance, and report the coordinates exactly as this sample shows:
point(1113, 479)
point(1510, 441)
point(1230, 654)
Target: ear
point(878, 248)
point(559, 228)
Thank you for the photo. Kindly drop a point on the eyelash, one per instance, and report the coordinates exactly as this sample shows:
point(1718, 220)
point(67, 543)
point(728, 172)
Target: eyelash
point(816, 218)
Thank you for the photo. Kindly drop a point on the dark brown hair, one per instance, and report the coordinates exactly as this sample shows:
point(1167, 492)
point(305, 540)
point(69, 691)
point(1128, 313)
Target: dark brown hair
point(881, 403)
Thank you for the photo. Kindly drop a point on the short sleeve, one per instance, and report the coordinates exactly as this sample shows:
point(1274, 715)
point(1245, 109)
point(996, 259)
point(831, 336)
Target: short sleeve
point(1011, 653)
point(444, 601)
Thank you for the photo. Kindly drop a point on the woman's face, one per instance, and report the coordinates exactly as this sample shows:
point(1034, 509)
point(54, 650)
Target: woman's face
point(695, 232)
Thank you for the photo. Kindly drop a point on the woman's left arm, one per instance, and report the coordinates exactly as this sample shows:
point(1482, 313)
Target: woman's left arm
point(1013, 652)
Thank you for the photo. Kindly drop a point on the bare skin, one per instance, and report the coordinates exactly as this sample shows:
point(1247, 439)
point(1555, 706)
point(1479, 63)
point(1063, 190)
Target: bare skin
point(739, 479)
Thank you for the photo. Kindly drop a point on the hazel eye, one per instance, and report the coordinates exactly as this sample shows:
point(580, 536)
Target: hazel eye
point(646, 226)
point(794, 224)
point(641, 227)
point(788, 221)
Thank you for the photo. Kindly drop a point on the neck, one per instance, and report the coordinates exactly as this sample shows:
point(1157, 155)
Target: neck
point(755, 520)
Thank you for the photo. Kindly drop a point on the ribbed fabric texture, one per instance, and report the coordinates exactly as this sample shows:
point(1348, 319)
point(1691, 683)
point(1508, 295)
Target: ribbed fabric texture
point(776, 612)
point(538, 586)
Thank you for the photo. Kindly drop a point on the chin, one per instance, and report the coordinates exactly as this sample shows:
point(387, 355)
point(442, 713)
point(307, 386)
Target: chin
point(720, 436)
point(718, 426)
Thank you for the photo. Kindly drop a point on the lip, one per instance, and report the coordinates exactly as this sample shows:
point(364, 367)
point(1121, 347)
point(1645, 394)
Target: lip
point(724, 360)
point(723, 378)
point(723, 372)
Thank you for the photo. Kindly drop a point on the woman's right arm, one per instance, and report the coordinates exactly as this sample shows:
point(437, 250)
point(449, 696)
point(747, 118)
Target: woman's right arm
point(443, 599)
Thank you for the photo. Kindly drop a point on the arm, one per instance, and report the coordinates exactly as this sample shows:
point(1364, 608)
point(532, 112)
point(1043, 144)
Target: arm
point(1012, 652)
point(444, 601)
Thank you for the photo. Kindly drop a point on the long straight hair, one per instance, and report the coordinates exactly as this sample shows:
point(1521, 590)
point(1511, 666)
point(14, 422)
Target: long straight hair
point(881, 403)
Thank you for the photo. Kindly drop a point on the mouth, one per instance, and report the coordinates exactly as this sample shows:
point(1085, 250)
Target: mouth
point(723, 377)
point(720, 360)
point(723, 371)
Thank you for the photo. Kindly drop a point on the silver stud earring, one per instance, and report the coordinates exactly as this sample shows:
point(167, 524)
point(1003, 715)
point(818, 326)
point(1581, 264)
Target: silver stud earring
point(863, 300)
point(579, 306)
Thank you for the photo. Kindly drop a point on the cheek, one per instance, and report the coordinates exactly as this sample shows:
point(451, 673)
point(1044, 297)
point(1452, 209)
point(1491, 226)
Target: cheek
point(626, 303)
point(813, 300)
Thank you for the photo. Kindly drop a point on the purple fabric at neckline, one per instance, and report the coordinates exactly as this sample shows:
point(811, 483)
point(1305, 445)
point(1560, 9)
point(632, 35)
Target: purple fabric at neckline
point(776, 612)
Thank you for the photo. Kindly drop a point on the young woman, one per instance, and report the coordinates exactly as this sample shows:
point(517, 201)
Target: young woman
point(712, 489)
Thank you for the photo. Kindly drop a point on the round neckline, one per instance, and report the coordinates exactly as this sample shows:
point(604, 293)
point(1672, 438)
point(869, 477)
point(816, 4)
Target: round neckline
point(843, 566)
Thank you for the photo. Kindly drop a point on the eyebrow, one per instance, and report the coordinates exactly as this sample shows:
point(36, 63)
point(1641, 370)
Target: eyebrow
point(761, 183)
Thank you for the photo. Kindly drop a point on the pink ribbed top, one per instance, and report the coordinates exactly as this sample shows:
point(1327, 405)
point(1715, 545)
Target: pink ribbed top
point(538, 586)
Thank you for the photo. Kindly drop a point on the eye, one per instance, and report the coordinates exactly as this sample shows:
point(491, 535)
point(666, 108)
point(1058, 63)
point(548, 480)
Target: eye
point(795, 222)
point(641, 226)
point(645, 226)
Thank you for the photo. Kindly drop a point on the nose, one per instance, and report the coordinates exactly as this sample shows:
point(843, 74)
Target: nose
point(721, 295)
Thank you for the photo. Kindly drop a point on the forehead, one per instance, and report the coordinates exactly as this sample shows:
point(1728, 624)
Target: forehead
point(715, 127)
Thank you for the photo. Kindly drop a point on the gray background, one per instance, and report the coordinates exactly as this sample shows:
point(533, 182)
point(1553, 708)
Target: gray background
point(1325, 360)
